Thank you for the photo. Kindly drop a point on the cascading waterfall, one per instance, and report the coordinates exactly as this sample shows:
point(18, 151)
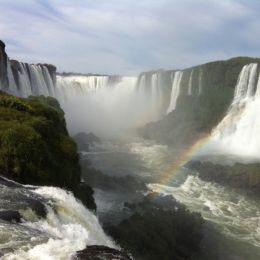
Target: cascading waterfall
point(238, 132)
point(30, 80)
point(176, 83)
point(80, 85)
point(67, 228)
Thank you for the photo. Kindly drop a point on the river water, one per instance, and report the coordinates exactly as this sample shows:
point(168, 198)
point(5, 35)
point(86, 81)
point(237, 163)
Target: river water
point(233, 218)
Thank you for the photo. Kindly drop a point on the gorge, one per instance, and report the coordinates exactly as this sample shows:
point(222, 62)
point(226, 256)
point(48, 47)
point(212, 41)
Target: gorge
point(160, 132)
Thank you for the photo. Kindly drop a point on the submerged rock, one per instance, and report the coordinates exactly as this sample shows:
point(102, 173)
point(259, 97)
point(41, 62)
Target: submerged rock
point(100, 253)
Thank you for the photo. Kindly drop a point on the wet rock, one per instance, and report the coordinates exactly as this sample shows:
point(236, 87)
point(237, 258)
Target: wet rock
point(100, 253)
point(3, 66)
point(9, 183)
point(241, 176)
point(10, 216)
point(38, 207)
point(85, 193)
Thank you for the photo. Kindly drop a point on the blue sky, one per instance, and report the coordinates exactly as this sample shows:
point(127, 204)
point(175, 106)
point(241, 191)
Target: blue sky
point(129, 36)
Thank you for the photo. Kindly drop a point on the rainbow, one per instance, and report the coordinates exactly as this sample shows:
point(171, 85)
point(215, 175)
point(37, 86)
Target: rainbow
point(182, 159)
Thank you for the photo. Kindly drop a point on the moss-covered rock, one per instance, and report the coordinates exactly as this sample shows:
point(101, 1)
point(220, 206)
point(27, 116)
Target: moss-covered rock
point(35, 147)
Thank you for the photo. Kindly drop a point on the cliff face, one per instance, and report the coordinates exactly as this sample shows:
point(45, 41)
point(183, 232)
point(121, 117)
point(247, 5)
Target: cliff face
point(3, 66)
point(205, 94)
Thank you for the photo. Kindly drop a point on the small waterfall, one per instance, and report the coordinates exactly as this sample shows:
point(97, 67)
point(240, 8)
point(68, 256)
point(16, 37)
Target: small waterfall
point(238, 132)
point(176, 83)
point(11, 81)
point(190, 83)
point(200, 82)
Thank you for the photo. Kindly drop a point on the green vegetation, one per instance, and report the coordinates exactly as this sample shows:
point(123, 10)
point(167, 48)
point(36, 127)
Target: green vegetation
point(35, 147)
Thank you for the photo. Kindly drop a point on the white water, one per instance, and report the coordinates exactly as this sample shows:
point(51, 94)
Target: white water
point(71, 227)
point(238, 132)
point(106, 105)
point(176, 83)
point(32, 80)
point(190, 83)
point(235, 215)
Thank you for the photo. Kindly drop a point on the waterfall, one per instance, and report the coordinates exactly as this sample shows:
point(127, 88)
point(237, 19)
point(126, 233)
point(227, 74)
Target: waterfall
point(176, 83)
point(67, 228)
point(72, 86)
point(108, 104)
point(25, 79)
point(200, 82)
point(238, 132)
point(190, 83)
point(11, 81)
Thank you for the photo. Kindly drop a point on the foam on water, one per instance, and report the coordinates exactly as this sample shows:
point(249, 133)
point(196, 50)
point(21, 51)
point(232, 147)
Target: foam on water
point(69, 225)
point(235, 215)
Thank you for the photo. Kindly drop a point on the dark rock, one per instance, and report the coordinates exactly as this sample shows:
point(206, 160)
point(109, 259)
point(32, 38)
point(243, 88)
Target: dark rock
point(3, 66)
point(157, 219)
point(10, 183)
point(38, 207)
point(84, 140)
point(10, 216)
point(242, 176)
point(100, 253)
point(85, 194)
point(99, 180)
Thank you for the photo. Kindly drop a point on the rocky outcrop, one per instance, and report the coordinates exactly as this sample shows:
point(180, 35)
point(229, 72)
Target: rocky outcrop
point(156, 219)
point(100, 252)
point(240, 176)
point(85, 140)
point(3, 66)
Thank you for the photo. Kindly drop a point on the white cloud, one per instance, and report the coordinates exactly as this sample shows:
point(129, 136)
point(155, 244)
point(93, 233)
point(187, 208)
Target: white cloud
point(128, 36)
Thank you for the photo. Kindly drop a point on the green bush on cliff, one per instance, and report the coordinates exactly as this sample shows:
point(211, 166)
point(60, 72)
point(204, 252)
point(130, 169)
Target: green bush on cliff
point(34, 144)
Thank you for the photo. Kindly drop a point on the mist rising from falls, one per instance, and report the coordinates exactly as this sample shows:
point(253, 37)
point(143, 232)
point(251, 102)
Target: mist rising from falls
point(107, 105)
point(238, 132)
